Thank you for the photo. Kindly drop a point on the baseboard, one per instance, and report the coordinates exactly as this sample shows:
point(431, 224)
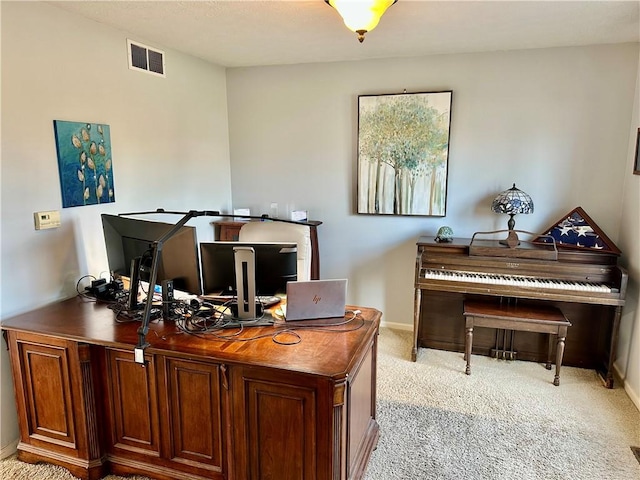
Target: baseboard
point(397, 326)
point(9, 450)
point(635, 398)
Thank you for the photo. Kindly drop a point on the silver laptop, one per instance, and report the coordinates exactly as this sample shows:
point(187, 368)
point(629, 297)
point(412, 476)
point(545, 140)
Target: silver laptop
point(312, 299)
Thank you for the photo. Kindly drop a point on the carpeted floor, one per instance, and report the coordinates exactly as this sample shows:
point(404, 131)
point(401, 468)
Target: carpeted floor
point(505, 421)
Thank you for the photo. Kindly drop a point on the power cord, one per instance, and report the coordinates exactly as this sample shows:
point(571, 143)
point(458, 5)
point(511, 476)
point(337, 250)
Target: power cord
point(207, 320)
point(214, 328)
point(82, 293)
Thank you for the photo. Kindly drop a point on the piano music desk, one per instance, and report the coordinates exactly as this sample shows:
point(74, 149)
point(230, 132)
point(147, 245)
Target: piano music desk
point(525, 318)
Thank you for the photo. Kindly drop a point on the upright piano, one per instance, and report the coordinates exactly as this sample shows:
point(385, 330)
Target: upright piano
point(587, 286)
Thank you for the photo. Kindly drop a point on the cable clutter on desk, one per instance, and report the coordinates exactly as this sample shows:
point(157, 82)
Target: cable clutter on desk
point(206, 328)
point(162, 253)
point(214, 320)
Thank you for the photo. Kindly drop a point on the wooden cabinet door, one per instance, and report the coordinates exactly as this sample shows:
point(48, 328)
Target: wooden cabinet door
point(55, 402)
point(166, 416)
point(133, 405)
point(46, 385)
point(362, 431)
point(282, 425)
point(194, 411)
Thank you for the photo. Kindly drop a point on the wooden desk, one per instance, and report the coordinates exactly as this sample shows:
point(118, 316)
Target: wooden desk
point(200, 408)
point(229, 231)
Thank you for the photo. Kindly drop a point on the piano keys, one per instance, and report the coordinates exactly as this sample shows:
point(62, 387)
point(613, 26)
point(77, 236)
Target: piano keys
point(517, 281)
point(589, 287)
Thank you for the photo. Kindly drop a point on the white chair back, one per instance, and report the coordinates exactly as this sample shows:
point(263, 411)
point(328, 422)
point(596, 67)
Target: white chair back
point(273, 231)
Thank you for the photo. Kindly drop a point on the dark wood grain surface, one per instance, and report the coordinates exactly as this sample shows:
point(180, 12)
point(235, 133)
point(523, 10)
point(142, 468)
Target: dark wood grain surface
point(289, 401)
point(324, 350)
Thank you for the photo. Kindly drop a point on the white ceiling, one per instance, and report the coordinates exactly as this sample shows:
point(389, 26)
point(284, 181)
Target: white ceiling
point(235, 33)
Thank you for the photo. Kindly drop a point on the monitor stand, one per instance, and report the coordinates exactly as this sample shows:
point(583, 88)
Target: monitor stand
point(134, 284)
point(247, 311)
point(245, 266)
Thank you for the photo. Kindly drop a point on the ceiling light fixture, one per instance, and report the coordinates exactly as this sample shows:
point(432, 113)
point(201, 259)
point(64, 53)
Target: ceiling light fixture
point(361, 16)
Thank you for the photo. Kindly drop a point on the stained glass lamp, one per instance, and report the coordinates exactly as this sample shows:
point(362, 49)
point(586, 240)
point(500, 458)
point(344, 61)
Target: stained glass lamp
point(512, 202)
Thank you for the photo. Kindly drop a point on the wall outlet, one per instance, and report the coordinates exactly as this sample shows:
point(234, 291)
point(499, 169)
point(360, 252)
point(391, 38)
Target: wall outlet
point(50, 219)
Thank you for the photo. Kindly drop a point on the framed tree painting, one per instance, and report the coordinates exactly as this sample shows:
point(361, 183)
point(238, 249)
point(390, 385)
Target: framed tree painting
point(403, 153)
point(84, 163)
point(576, 230)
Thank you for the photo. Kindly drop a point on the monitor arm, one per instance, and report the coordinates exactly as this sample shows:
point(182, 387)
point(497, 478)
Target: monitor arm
point(216, 213)
point(156, 250)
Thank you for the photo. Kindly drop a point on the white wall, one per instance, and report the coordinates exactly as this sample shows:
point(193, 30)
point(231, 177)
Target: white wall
point(169, 138)
point(628, 362)
point(554, 121)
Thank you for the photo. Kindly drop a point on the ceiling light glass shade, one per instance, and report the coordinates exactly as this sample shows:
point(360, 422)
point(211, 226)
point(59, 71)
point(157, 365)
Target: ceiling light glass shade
point(361, 16)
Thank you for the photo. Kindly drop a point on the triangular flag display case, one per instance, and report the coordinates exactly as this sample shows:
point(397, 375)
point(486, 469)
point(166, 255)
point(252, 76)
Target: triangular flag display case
point(576, 230)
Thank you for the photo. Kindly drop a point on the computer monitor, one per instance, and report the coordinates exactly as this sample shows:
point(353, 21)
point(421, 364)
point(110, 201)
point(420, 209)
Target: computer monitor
point(275, 265)
point(127, 238)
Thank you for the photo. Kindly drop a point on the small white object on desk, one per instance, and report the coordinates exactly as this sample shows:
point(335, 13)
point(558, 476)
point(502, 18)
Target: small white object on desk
point(299, 215)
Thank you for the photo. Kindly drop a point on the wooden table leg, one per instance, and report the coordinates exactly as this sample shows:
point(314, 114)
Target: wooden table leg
point(416, 323)
point(607, 376)
point(468, 344)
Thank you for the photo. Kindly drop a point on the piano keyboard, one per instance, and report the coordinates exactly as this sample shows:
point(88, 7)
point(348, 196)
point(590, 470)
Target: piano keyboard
point(515, 280)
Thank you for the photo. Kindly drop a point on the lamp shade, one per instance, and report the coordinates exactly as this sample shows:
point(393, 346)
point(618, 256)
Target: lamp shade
point(361, 16)
point(512, 202)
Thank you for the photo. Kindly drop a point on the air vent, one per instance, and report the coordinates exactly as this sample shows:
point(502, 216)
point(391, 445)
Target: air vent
point(144, 58)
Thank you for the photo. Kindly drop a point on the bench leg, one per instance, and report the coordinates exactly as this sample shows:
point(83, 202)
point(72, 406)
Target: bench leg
point(467, 348)
point(559, 354)
point(549, 352)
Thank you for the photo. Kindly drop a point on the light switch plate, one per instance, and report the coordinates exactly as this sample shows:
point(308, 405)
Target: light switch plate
point(48, 219)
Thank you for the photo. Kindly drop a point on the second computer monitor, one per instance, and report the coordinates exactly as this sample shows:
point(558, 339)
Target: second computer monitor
point(127, 238)
point(275, 265)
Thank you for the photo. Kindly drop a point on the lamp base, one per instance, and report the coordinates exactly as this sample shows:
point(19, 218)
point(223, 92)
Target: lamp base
point(512, 240)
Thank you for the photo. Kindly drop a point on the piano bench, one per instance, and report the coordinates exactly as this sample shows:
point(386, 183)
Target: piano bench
point(527, 318)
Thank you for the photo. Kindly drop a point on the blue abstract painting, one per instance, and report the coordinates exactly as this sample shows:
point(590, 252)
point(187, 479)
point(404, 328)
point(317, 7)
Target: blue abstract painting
point(85, 164)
